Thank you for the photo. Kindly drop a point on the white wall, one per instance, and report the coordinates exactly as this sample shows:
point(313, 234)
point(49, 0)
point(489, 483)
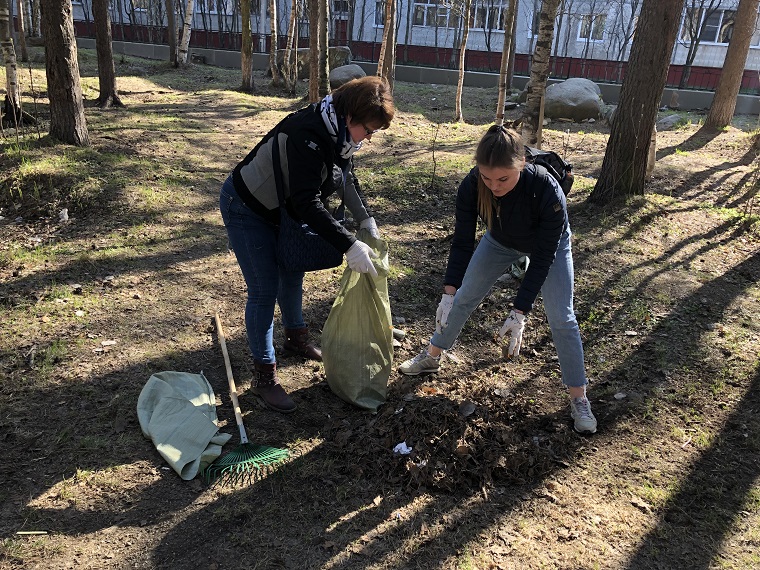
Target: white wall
point(567, 44)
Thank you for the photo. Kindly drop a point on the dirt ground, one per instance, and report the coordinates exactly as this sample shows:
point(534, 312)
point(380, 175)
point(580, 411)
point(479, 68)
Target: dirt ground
point(666, 295)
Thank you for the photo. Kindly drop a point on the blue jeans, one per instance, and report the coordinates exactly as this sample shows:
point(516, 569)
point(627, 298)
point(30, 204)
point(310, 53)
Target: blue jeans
point(488, 263)
point(254, 241)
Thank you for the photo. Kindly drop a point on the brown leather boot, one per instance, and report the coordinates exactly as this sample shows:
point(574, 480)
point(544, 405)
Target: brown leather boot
point(297, 341)
point(267, 387)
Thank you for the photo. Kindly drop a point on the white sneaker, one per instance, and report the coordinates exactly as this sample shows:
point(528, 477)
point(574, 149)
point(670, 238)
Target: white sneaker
point(423, 363)
point(580, 410)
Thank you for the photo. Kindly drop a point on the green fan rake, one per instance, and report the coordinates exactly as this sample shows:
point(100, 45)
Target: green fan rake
point(247, 462)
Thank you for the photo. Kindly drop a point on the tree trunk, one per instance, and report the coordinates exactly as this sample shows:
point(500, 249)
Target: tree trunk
point(187, 29)
point(171, 32)
point(11, 114)
point(21, 30)
point(67, 121)
point(724, 102)
point(506, 55)
point(625, 161)
point(323, 80)
point(109, 96)
point(462, 53)
point(291, 50)
point(314, 52)
point(533, 117)
point(512, 48)
point(35, 17)
point(274, 68)
point(246, 47)
point(386, 63)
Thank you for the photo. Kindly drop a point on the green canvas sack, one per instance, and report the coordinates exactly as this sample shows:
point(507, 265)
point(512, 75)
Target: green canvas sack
point(357, 339)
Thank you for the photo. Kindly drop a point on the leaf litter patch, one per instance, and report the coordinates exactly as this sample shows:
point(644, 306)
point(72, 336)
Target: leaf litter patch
point(491, 437)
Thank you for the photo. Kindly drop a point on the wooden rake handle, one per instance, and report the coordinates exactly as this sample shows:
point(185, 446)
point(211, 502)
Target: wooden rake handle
point(230, 380)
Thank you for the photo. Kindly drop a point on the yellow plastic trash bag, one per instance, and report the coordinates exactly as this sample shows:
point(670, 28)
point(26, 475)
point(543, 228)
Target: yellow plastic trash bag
point(357, 339)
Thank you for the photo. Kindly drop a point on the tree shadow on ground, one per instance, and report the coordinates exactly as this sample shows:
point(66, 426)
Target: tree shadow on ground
point(81, 434)
point(332, 494)
point(711, 497)
point(714, 493)
point(699, 139)
point(691, 187)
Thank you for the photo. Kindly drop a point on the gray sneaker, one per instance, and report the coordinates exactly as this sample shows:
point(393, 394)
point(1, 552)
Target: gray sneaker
point(580, 410)
point(423, 363)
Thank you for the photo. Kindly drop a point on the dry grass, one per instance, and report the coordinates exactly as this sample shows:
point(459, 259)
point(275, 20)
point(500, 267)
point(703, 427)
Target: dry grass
point(667, 297)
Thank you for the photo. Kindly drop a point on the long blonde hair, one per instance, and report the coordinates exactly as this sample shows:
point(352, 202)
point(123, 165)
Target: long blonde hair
point(500, 147)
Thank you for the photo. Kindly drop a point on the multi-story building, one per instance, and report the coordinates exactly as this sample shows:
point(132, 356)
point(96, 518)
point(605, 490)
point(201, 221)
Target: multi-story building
point(592, 37)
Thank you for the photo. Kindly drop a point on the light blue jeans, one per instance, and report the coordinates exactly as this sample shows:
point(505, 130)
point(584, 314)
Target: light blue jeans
point(488, 263)
point(254, 241)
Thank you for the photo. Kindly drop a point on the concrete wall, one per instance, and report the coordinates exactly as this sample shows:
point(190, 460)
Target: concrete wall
point(687, 99)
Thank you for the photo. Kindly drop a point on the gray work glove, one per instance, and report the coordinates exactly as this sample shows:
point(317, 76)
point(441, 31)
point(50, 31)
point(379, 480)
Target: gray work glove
point(442, 313)
point(371, 225)
point(359, 258)
point(514, 326)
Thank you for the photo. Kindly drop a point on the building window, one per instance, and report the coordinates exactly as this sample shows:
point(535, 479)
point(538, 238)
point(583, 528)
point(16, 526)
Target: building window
point(209, 6)
point(592, 27)
point(379, 13)
point(432, 14)
point(340, 7)
point(726, 28)
point(490, 17)
point(717, 26)
point(756, 36)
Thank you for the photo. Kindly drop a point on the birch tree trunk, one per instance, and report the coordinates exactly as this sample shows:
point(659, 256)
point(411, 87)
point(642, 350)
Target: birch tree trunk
point(187, 29)
point(323, 79)
point(512, 47)
point(12, 104)
point(21, 30)
point(724, 102)
point(274, 42)
point(67, 121)
point(109, 96)
point(291, 50)
point(506, 55)
point(533, 117)
point(314, 36)
point(246, 47)
point(625, 160)
point(462, 53)
point(386, 62)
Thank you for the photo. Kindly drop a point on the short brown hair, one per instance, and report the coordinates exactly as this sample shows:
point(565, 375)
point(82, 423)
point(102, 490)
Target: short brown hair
point(367, 100)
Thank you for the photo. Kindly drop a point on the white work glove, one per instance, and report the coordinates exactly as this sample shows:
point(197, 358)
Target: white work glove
point(514, 326)
point(359, 258)
point(371, 225)
point(442, 313)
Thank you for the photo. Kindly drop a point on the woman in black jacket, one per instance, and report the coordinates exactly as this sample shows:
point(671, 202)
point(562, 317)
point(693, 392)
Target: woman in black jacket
point(525, 212)
point(315, 145)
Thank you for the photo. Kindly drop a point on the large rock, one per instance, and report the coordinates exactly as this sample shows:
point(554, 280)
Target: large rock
point(575, 98)
point(669, 122)
point(344, 74)
point(337, 57)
